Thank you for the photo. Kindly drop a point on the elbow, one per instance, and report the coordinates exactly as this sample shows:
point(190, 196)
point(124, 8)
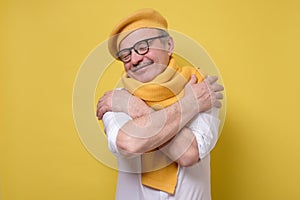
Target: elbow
point(189, 158)
point(127, 146)
point(188, 161)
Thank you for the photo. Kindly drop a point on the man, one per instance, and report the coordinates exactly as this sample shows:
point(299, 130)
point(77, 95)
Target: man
point(163, 124)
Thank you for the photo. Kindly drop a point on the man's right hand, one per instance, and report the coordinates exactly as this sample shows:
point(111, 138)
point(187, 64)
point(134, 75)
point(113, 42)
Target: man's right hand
point(206, 94)
point(121, 101)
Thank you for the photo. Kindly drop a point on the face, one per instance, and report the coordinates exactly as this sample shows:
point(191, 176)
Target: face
point(145, 68)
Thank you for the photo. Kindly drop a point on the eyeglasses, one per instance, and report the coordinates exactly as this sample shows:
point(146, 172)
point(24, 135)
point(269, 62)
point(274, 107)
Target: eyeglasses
point(141, 48)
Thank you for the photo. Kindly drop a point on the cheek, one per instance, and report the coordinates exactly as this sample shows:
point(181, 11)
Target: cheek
point(152, 56)
point(158, 57)
point(127, 67)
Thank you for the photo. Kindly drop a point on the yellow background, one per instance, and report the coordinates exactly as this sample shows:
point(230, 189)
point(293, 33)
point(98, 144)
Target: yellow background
point(255, 44)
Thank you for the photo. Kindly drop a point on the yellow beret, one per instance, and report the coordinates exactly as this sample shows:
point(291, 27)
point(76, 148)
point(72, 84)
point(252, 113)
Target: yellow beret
point(144, 18)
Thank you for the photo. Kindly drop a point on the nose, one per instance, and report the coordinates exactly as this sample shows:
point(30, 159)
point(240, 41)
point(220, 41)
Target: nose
point(136, 58)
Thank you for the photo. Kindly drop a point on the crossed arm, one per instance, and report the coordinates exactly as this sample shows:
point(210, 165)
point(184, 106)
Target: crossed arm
point(164, 129)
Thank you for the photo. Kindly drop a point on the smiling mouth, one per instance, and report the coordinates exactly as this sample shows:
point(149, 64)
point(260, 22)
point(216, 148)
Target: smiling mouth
point(134, 69)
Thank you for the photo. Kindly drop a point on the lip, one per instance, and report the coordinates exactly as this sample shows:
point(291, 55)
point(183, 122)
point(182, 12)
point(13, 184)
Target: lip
point(134, 69)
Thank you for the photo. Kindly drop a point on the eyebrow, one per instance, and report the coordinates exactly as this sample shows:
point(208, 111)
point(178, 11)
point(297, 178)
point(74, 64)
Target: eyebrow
point(151, 38)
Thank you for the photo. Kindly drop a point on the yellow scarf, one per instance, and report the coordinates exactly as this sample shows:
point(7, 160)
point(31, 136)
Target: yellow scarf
point(162, 91)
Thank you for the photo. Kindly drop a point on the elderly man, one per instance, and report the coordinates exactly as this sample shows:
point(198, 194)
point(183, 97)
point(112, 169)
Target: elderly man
point(163, 124)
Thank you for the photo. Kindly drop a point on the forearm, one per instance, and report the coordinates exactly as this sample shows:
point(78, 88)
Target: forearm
point(183, 148)
point(195, 140)
point(152, 130)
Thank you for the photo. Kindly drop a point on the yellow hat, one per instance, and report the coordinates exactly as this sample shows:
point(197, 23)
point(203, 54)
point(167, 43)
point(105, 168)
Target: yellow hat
point(145, 18)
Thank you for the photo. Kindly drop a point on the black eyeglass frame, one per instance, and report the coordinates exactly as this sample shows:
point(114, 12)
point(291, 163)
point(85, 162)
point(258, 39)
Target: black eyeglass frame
point(136, 50)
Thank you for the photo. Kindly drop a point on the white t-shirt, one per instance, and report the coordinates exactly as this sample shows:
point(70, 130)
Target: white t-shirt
point(193, 182)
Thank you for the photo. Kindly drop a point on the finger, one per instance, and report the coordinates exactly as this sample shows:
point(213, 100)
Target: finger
point(101, 109)
point(99, 103)
point(102, 99)
point(211, 79)
point(108, 93)
point(100, 113)
point(99, 116)
point(217, 87)
point(219, 95)
point(217, 104)
point(193, 79)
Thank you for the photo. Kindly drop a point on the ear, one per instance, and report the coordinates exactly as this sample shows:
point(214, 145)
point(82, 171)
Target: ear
point(170, 46)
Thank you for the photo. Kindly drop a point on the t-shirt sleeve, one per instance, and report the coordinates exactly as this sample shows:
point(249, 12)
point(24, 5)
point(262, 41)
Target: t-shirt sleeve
point(205, 127)
point(112, 122)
